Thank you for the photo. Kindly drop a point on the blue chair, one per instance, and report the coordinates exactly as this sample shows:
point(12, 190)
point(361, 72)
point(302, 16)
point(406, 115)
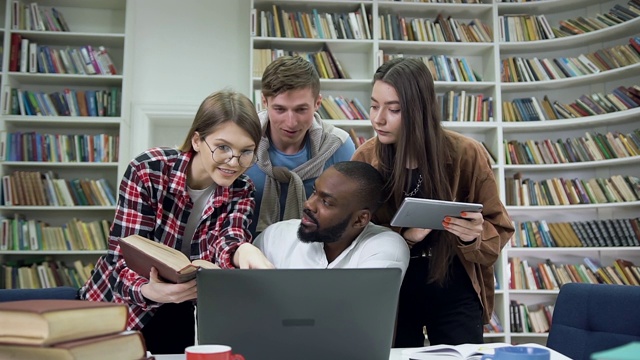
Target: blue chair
point(592, 317)
point(61, 292)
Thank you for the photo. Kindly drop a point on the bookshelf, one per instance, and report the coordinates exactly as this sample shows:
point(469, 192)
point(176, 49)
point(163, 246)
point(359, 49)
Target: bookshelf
point(91, 138)
point(360, 57)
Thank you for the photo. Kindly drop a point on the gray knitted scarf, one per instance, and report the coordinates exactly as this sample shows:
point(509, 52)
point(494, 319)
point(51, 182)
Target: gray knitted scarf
point(324, 140)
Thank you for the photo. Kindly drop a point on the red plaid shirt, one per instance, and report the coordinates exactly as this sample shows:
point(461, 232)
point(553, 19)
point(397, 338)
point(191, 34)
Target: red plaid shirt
point(153, 202)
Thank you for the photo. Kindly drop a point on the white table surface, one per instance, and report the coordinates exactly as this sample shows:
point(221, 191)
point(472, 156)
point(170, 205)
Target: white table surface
point(396, 354)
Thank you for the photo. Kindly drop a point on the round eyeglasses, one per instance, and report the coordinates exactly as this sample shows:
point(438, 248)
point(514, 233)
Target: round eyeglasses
point(223, 154)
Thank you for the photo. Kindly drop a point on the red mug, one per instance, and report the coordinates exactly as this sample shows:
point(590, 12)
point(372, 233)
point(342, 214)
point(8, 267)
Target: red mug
point(211, 352)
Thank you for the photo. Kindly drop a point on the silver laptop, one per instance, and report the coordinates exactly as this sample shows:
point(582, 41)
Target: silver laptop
point(299, 313)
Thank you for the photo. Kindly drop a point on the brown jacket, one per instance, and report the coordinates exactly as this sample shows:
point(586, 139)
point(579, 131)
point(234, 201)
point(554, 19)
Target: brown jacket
point(473, 181)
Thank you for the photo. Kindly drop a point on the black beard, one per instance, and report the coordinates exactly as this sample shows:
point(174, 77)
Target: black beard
point(329, 235)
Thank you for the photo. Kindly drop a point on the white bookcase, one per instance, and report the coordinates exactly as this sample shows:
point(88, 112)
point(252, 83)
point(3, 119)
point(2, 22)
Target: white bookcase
point(360, 58)
point(92, 22)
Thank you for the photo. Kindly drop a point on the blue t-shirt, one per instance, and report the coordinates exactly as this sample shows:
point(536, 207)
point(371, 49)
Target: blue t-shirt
point(344, 153)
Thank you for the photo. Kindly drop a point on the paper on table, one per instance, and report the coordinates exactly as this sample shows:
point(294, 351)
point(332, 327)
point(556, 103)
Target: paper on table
point(463, 351)
point(466, 351)
point(629, 351)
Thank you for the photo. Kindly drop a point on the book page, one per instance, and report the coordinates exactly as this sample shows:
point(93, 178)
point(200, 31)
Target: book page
point(463, 351)
point(205, 264)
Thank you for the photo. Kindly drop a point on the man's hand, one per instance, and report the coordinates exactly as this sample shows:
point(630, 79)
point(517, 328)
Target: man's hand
point(248, 256)
point(164, 292)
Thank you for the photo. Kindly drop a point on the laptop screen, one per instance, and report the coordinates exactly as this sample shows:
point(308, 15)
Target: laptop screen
point(299, 313)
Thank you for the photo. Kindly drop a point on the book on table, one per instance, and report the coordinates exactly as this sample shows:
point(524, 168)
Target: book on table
point(141, 254)
point(628, 351)
point(126, 345)
point(466, 351)
point(45, 322)
point(462, 351)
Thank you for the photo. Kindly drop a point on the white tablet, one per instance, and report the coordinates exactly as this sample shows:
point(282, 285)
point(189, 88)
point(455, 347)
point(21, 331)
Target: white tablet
point(429, 214)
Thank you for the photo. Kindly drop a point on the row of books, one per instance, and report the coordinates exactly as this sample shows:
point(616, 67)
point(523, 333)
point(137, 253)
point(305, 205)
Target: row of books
point(442, 67)
point(536, 27)
point(494, 325)
point(44, 274)
point(20, 234)
point(276, 22)
point(547, 275)
point(338, 108)
point(397, 27)
point(558, 191)
point(327, 66)
point(32, 17)
point(68, 329)
point(530, 318)
point(591, 147)
point(519, 69)
point(33, 146)
point(532, 109)
point(587, 233)
point(524, 28)
point(616, 15)
point(465, 107)
point(67, 102)
point(32, 188)
point(28, 56)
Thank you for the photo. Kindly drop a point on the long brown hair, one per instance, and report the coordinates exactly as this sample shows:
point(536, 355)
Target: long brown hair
point(422, 142)
point(220, 107)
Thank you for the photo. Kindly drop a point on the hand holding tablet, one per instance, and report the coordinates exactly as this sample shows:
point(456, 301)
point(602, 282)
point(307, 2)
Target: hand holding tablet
point(428, 213)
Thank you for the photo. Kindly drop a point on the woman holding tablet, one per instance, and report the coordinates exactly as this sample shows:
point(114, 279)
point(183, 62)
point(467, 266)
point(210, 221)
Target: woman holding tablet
point(449, 285)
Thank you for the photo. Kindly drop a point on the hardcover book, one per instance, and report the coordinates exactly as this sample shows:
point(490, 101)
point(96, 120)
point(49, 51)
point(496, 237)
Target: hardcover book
point(141, 254)
point(126, 345)
point(45, 322)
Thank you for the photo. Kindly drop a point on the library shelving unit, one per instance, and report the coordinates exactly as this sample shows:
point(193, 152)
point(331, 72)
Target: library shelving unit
point(360, 57)
point(567, 90)
point(95, 24)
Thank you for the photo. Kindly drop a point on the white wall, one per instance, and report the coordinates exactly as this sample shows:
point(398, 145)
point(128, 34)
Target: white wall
point(180, 51)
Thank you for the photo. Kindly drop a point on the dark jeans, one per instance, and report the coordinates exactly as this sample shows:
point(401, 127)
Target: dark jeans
point(452, 313)
point(171, 329)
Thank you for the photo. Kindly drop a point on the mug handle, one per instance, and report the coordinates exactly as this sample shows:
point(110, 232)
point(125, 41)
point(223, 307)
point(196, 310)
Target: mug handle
point(237, 357)
point(487, 357)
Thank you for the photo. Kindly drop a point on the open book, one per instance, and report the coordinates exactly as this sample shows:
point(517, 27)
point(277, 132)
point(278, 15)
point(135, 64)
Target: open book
point(141, 254)
point(465, 351)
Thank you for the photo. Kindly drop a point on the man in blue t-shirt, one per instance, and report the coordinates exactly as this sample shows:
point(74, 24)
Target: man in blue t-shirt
point(296, 146)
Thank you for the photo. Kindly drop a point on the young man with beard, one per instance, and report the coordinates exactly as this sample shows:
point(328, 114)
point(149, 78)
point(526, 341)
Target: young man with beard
point(335, 230)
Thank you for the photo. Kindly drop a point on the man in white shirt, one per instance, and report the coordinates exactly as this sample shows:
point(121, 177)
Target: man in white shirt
point(336, 229)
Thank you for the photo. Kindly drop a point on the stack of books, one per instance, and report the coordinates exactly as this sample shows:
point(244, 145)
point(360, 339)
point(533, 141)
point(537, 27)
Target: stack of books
point(67, 329)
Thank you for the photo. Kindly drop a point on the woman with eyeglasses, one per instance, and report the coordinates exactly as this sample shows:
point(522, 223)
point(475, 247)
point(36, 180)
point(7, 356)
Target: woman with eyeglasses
point(195, 199)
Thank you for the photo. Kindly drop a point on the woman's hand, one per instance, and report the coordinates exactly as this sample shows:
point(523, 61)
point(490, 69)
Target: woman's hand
point(248, 256)
point(164, 292)
point(414, 235)
point(467, 229)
